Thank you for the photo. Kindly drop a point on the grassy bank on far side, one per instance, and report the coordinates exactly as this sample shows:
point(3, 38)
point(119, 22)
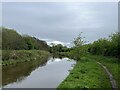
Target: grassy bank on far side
point(10, 57)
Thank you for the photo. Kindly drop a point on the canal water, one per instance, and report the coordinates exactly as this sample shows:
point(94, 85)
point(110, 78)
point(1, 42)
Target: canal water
point(36, 74)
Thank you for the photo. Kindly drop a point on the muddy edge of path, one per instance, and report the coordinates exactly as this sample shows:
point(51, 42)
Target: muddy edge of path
point(112, 80)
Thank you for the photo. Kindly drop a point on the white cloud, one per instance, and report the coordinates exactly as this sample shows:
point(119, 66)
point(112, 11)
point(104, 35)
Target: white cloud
point(55, 42)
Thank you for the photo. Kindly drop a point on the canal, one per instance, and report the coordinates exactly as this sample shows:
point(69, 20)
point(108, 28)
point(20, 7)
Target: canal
point(36, 74)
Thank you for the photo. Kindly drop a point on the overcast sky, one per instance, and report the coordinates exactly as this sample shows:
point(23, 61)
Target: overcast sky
point(61, 22)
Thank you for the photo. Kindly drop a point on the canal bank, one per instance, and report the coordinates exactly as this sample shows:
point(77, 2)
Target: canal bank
point(12, 57)
point(89, 74)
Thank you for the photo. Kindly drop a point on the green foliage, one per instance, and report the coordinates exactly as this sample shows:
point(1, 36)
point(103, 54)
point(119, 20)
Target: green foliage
point(11, 40)
point(103, 46)
point(106, 47)
point(15, 56)
point(58, 48)
point(78, 41)
point(40, 44)
point(31, 43)
point(78, 48)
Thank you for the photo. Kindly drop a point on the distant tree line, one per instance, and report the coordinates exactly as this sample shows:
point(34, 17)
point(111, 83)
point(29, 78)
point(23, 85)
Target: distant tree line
point(58, 48)
point(104, 46)
point(11, 40)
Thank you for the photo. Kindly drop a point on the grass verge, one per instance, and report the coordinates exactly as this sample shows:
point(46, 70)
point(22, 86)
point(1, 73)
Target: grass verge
point(10, 57)
point(86, 74)
point(112, 65)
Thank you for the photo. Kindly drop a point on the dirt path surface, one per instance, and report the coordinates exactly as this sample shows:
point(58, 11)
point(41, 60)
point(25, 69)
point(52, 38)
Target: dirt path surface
point(112, 80)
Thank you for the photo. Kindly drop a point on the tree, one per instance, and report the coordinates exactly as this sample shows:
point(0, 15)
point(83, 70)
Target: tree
point(106, 47)
point(115, 44)
point(78, 41)
point(12, 40)
point(30, 42)
point(77, 49)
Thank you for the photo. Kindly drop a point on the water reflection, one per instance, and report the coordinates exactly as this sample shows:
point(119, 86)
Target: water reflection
point(51, 60)
point(60, 56)
point(17, 73)
point(36, 74)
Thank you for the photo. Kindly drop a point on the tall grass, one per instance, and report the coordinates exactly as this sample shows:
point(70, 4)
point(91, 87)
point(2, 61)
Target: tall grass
point(16, 56)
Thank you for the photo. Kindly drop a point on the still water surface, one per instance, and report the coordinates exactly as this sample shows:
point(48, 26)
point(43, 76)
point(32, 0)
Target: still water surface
point(36, 74)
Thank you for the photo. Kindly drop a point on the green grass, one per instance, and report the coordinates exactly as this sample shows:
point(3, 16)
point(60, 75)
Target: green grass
point(86, 74)
point(11, 57)
point(112, 65)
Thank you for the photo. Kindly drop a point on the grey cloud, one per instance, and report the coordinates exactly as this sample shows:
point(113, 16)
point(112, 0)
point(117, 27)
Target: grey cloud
point(62, 21)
